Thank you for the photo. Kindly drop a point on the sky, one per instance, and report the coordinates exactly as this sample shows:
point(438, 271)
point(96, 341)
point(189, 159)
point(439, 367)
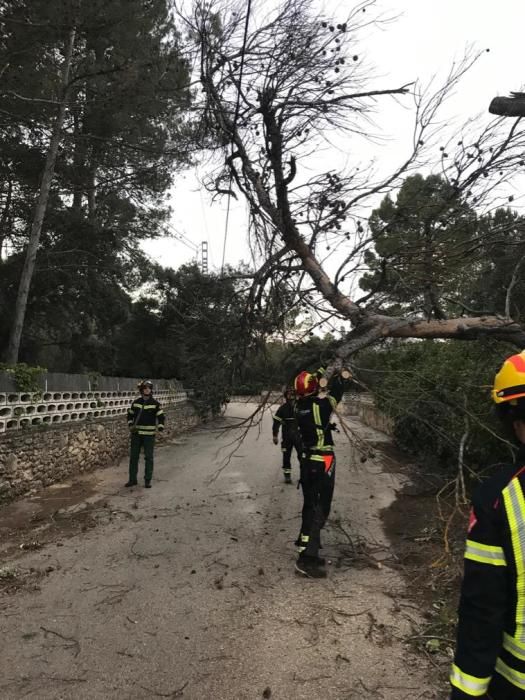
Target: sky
point(422, 41)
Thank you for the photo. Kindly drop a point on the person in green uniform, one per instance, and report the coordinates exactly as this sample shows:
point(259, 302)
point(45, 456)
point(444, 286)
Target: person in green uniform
point(145, 417)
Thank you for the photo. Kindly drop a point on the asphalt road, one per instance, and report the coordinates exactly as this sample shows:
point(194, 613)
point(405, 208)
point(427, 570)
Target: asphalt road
point(188, 589)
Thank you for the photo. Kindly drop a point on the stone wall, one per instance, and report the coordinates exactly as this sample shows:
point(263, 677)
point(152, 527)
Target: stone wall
point(363, 406)
point(39, 456)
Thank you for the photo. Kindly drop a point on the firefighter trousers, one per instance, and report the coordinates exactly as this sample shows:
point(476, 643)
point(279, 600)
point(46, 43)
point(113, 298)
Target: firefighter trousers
point(317, 482)
point(501, 689)
point(137, 443)
point(287, 446)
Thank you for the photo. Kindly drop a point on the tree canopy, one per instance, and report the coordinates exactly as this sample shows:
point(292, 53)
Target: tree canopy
point(118, 127)
point(296, 80)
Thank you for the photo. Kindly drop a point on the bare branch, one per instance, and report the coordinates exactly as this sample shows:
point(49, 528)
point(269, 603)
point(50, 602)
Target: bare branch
point(512, 285)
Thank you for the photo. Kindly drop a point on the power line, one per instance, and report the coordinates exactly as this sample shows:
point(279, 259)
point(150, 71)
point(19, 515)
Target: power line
point(236, 116)
point(184, 239)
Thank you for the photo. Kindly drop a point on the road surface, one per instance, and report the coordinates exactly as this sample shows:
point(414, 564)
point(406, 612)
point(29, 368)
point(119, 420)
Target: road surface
point(188, 589)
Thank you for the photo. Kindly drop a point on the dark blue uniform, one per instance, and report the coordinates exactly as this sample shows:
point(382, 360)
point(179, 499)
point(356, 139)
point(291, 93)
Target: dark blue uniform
point(317, 464)
point(286, 420)
point(490, 655)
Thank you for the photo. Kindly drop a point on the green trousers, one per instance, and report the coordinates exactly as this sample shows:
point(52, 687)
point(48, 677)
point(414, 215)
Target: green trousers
point(138, 441)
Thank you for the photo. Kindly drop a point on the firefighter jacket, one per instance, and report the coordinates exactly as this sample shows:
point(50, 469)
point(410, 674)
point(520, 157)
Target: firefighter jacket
point(313, 418)
point(145, 415)
point(490, 654)
point(285, 418)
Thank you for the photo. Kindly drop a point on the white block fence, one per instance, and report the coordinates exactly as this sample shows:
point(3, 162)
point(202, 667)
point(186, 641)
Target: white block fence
point(20, 410)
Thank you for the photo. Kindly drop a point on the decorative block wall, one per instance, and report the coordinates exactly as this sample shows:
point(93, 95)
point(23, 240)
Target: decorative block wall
point(35, 458)
point(71, 426)
point(51, 408)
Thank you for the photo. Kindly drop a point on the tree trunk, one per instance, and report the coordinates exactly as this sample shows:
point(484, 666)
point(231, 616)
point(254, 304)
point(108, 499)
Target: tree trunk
point(5, 216)
point(48, 173)
point(91, 193)
point(79, 161)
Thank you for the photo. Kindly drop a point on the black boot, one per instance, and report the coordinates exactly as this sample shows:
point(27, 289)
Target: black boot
point(287, 478)
point(309, 567)
point(130, 483)
point(147, 484)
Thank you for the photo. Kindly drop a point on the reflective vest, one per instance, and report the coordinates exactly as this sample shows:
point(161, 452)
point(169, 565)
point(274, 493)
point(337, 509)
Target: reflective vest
point(490, 654)
point(144, 415)
point(313, 417)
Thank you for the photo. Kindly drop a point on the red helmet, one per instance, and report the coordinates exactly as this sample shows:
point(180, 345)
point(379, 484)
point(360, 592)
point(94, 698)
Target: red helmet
point(306, 384)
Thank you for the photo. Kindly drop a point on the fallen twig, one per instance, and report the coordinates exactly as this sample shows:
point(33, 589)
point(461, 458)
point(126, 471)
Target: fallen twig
point(75, 644)
point(179, 692)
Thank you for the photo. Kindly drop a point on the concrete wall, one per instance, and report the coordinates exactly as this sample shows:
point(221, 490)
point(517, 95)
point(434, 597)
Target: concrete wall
point(65, 398)
point(48, 453)
point(363, 406)
point(19, 410)
point(62, 381)
point(360, 405)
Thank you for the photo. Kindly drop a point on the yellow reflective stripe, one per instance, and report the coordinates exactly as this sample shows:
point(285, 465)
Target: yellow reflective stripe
point(471, 685)
point(514, 646)
point(483, 559)
point(137, 405)
point(332, 401)
point(305, 538)
point(318, 424)
point(160, 413)
point(515, 510)
point(515, 677)
point(148, 408)
point(280, 420)
point(321, 371)
point(316, 458)
point(485, 553)
point(487, 547)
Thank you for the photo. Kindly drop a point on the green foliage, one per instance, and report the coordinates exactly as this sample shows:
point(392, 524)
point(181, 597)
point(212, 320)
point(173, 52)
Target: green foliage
point(25, 377)
point(435, 391)
point(434, 255)
point(500, 258)
point(274, 365)
point(421, 241)
point(125, 134)
point(186, 325)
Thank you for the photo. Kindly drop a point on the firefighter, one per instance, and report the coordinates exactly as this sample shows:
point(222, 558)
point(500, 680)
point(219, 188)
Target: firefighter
point(285, 418)
point(490, 652)
point(317, 465)
point(145, 417)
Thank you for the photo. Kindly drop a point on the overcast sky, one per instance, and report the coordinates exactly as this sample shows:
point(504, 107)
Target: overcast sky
point(423, 41)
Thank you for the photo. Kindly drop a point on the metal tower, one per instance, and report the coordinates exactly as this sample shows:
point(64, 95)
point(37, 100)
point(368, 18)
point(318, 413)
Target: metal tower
point(204, 257)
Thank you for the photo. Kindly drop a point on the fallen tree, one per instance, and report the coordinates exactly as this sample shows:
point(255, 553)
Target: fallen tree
point(275, 89)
